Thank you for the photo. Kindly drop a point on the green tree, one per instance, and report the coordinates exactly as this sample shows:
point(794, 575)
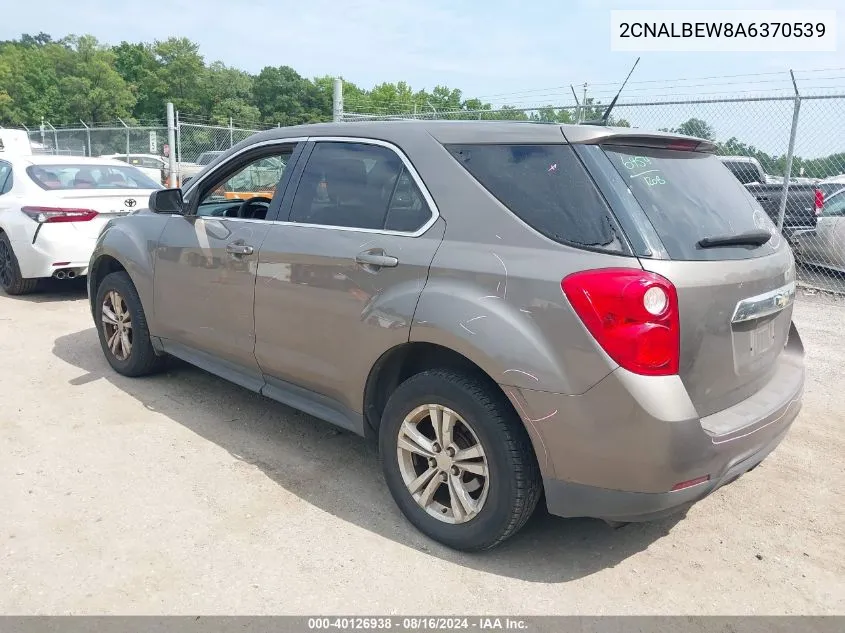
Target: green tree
point(227, 92)
point(142, 71)
point(182, 69)
point(93, 89)
point(283, 96)
point(29, 84)
point(696, 127)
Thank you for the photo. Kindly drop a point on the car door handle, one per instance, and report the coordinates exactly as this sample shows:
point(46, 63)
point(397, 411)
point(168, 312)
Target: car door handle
point(376, 259)
point(239, 249)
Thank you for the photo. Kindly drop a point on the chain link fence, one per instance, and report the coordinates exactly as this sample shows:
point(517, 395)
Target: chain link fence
point(197, 144)
point(760, 140)
point(100, 140)
point(788, 151)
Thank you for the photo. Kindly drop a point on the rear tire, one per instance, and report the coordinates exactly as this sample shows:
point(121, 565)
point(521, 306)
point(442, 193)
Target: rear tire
point(472, 511)
point(10, 271)
point(122, 328)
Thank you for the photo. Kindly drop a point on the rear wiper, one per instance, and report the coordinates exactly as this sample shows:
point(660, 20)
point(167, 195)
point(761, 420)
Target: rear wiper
point(751, 238)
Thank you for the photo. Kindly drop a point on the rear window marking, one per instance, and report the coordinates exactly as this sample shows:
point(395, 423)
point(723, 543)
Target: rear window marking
point(691, 196)
point(633, 162)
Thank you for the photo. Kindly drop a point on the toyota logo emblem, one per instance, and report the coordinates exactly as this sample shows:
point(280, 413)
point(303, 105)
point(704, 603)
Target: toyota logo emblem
point(129, 202)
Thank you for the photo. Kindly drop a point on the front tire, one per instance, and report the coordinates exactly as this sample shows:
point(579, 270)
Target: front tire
point(122, 328)
point(10, 270)
point(457, 460)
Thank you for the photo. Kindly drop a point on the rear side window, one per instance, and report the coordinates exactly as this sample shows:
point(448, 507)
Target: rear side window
point(547, 188)
point(688, 196)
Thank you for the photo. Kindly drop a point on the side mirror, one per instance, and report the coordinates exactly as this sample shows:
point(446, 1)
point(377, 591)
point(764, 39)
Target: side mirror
point(167, 201)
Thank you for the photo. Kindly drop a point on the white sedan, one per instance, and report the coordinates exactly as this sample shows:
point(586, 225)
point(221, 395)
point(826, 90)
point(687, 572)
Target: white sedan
point(52, 208)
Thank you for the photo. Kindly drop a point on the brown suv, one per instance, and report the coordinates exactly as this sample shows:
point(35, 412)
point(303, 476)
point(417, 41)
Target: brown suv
point(603, 315)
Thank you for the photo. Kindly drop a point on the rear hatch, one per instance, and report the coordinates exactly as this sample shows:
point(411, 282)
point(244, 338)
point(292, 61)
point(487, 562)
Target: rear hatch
point(702, 230)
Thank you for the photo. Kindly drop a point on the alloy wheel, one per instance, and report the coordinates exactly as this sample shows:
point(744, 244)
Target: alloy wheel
point(117, 325)
point(443, 464)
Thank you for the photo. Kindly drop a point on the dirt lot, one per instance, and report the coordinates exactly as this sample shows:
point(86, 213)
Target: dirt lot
point(185, 494)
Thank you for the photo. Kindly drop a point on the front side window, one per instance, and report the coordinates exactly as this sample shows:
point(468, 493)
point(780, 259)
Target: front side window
point(91, 176)
point(248, 191)
point(358, 185)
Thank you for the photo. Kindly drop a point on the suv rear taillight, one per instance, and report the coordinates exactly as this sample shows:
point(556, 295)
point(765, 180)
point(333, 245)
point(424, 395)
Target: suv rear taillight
point(45, 215)
point(819, 202)
point(633, 314)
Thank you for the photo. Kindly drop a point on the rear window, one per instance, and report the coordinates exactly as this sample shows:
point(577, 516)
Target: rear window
point(688, 196)
point(547, 188)
point(89, 177)
point(207, 157)
point(745, 172)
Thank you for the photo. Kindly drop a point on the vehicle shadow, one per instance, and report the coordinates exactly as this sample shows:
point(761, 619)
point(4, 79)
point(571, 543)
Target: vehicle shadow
point(53, 290)
point(298, 451)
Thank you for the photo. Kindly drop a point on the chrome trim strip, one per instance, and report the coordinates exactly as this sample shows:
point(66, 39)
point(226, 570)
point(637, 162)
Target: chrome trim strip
point(765, 304)
point(222, 218)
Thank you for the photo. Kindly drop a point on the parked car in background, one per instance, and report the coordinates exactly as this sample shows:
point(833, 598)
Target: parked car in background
point(155, 167)
point(803, 202)
point(189, 170)
point(606, 322)
point(824, 246)
point(52, 209)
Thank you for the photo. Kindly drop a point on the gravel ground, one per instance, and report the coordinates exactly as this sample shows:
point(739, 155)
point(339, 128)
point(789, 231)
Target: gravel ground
point(184, 494)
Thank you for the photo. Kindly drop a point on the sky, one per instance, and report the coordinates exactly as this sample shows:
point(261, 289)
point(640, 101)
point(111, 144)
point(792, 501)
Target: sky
point(503, 51)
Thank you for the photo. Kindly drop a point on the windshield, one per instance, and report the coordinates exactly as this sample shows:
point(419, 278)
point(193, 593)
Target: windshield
point(99, 177)
point(688, 196)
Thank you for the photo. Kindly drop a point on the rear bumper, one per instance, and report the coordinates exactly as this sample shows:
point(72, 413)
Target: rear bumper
point(52, 248)
point(616, 451)
point(570, 499)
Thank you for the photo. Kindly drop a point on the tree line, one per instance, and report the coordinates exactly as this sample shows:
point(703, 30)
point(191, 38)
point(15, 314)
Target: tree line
point(774, 164)
point(77, 78)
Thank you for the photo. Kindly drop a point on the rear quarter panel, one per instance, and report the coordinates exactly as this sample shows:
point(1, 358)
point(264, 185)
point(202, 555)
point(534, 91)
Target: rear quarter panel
point(494, 294)
point(503, 308)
